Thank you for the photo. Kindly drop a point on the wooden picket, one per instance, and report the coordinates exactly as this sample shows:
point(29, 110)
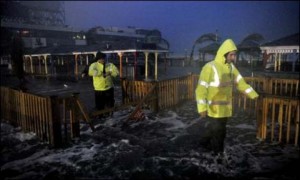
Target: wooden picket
point(44, 115)
point(169, 92)
point(279, 119)
point(28, 111)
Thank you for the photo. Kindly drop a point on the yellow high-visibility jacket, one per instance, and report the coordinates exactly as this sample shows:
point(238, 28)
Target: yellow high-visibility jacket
point(100, 82)
point(214, 88)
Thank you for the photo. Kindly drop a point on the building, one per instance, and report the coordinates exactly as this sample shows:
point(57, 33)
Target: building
point(282, 54)
point(52, 47)
point(39, 24)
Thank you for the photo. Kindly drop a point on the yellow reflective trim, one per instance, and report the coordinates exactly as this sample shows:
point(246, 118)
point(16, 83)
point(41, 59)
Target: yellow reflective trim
point(238, 78)
point(203, 83)
point(219, 103)
point(201, 101)
point(216, 81)
point(248, 90)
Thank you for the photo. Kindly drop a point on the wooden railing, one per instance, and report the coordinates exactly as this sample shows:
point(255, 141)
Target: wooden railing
point(174, 91)
point(56, 119)
point(168, 93)
point(47, 116)
point(275, 86)
point(278, 119)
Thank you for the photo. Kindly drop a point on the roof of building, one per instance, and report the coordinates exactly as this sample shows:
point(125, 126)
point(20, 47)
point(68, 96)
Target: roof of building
point(90, 49)
point(62, 50)
point(211, 48)
point(291, 40)
point(248, 45)
point(286, 45)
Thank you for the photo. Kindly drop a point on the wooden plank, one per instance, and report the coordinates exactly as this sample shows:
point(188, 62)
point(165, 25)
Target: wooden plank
point(265, 105)
point(55, 125)
point(297, 124)
point(43, 119)
point(281, 87)
point(273, 118)
point(17, 108)
point(259, 117)
point(141, 103)
point(76, 122)
point(64, 118)
point(36, 113)
point(26, 107)
point(84, 113)
point(35, 110)
point(39, 121)
point(48, 120)
point(22, 108)
point(289, 122)
point(297, 90)
point(35, 123)
point(29, 107)
point(280, 121)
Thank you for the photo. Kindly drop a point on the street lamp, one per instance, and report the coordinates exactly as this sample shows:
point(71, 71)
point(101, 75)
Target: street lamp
point(185, 55)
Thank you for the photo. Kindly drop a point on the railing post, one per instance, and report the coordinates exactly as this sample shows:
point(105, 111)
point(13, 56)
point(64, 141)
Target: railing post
point(259, 117)
point(55, 123)
point(155, 104)
point(74, 117)
point(23, 117)
point(124, 90)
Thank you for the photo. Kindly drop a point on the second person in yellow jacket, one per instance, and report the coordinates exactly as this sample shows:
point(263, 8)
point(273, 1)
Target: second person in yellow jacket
point(103, 75)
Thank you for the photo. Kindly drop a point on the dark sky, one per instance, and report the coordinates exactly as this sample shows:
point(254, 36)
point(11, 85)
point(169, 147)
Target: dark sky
point(181, 22)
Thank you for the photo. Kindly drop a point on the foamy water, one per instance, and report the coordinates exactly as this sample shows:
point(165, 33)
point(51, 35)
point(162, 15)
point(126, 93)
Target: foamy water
point(165, 145)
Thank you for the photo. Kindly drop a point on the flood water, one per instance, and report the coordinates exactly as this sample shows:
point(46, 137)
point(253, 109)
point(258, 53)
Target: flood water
point(163, 146)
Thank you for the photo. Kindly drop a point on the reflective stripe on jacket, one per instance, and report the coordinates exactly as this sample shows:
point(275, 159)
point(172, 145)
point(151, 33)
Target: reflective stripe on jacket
point(214, 89)
point(100, 82)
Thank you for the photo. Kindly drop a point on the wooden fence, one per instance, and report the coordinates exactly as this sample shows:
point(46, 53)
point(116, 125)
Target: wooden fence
point(53, 119)
point(278, 119)
point(174, 91)
point(168, 93)
point(275, 86)
point(56, 119)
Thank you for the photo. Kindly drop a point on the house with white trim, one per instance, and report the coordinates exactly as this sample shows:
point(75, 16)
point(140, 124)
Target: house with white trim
point(282, 54)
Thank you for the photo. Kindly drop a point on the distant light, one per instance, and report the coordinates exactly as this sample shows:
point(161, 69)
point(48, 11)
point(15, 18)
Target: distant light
point(25, 32)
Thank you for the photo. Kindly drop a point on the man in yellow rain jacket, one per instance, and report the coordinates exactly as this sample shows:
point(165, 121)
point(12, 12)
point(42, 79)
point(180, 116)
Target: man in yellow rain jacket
point(103, 74)
point(214, 93)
